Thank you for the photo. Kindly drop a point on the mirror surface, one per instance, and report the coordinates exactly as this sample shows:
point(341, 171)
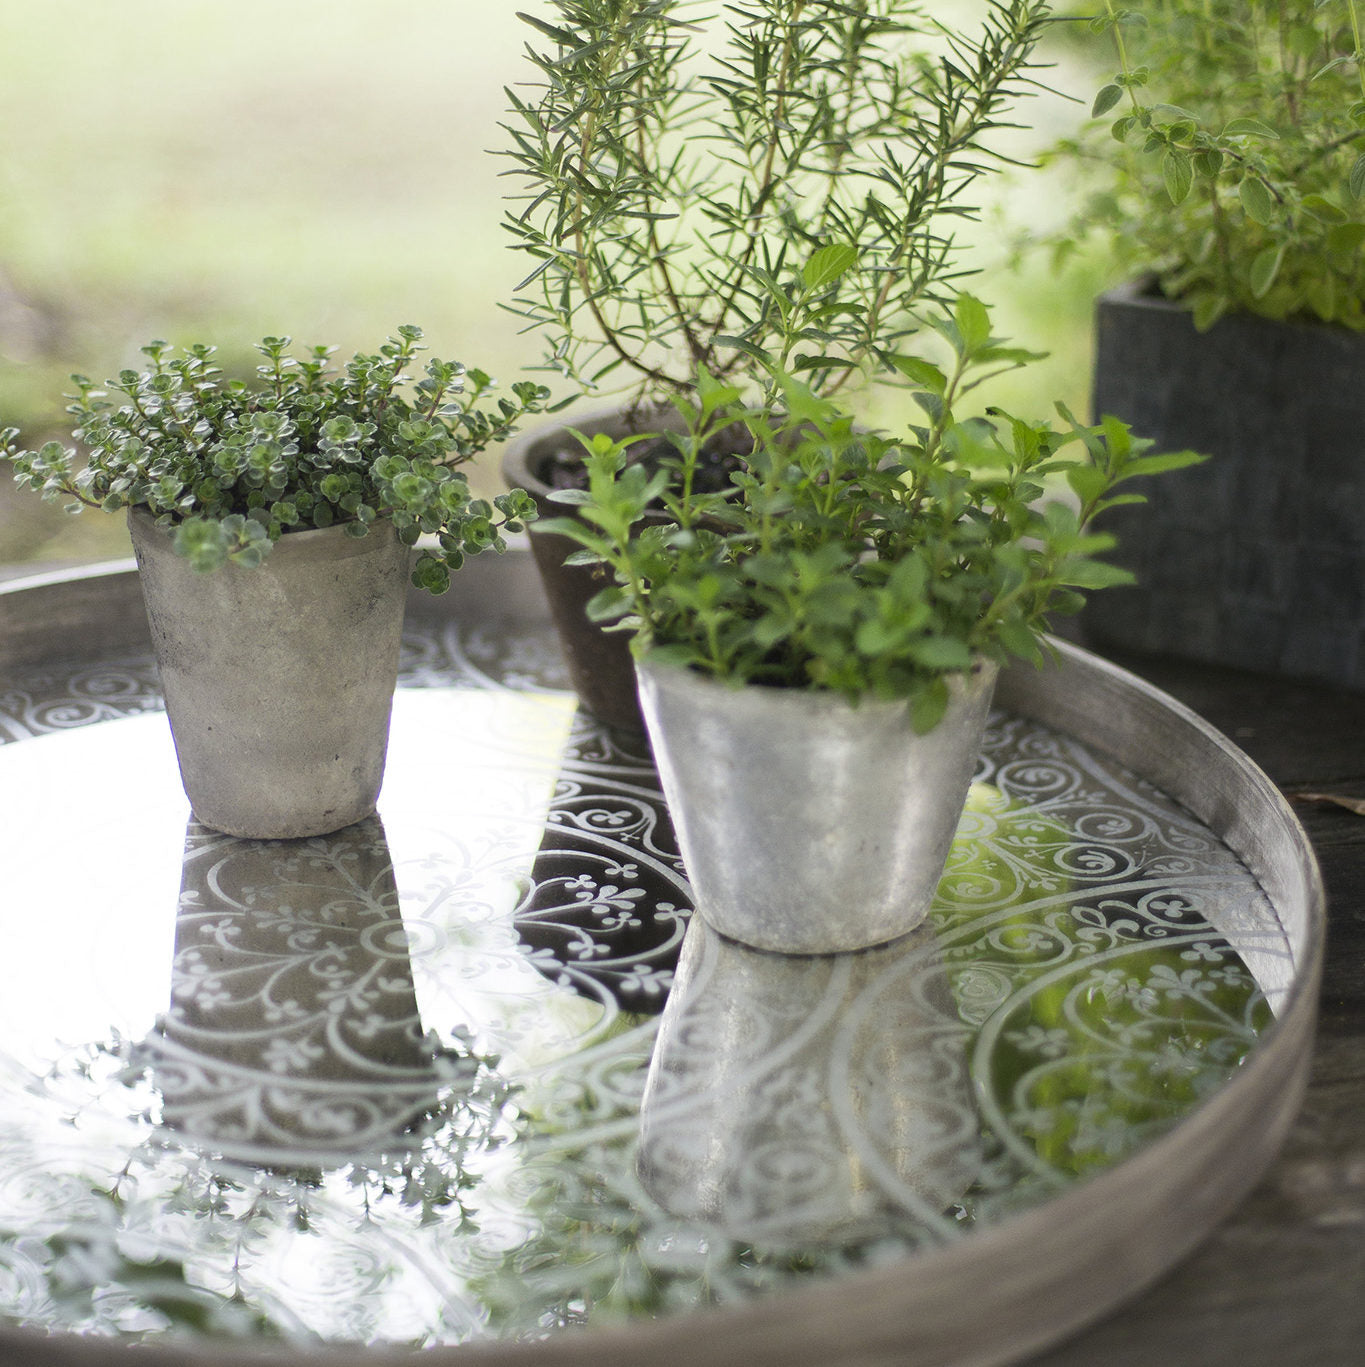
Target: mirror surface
point(464, 1069)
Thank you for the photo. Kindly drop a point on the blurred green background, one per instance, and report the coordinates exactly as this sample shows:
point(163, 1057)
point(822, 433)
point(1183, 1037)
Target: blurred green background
point(319, 168)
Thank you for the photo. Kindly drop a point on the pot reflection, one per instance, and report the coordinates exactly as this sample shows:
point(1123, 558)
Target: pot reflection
point(293, 1022)
point(607, 901)
point(801, 1099)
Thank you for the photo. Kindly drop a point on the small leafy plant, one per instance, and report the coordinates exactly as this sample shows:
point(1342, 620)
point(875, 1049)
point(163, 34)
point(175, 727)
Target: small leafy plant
point(855, 562)
point(232, 466)
point(1238, 177)
point(754, 186)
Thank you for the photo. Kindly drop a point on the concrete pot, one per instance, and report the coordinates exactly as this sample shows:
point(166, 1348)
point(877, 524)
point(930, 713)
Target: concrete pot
point(809, 825)
point(1256, 558)
point(279, 680)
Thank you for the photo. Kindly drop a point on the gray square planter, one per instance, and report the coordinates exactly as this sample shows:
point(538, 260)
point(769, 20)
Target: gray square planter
point(1257, 558)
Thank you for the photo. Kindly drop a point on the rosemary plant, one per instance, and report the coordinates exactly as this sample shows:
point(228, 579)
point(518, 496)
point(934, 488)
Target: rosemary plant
point(751, 187)
point(232, 467)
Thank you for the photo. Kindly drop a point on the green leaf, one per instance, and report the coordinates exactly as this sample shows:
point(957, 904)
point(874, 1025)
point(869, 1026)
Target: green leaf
point(1356, 183)
point(828, 264)
point(560, 35)
point(1094, 574)
point(431, 574)
point(1322, 297)
point(1178, 172)
point(921, 372)
point(1107, 98)
point(1323, 209)
point(1248, 128)
point(1346, 237)
point(1264, 268)
point(1257, 200)
point(1008, 355)
point(876, 637)
point(1166, 460)
point(1207, 309)
point(1173, 114)
point(941, 653)
point(973, 321)
point(1208, 163)
point(713, 393)
point(739, 344)
point(928, 706)
point(607, 605)
point(1020, 639)
point(804, 362)
point(1086, 482)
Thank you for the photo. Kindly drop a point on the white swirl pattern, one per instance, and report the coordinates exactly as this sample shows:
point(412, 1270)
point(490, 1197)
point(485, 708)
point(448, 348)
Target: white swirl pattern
point(407, 1084)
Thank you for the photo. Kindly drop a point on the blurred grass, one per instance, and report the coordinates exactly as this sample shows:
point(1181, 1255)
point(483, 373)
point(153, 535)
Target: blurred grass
point(319, 168)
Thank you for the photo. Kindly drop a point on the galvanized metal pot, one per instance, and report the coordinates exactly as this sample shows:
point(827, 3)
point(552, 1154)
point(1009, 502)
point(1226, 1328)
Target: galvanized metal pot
point(809, 825)
point(279, 680)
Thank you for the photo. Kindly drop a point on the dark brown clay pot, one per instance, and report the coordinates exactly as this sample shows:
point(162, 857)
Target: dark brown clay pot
point(1257, 558)
point(600, 664)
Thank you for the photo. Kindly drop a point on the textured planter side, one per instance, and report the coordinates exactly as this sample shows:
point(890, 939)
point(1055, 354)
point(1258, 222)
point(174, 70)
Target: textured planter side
point(808, 825)
point(1256, 558)
point(600, 664)
point(279, 680)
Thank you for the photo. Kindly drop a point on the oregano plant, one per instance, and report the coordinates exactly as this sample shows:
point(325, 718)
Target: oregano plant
point(1227, 154)
point(230, 466)
point(852, 561)
point(751, 187)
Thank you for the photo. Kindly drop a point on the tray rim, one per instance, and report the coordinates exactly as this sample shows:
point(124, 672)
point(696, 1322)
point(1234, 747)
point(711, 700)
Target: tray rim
point(1032, 1280)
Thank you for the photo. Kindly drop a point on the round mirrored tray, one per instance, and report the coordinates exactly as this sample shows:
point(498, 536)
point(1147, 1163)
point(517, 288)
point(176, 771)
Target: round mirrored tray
point(469, 1077)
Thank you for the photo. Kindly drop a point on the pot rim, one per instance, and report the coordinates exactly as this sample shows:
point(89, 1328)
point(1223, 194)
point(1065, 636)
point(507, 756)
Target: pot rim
point(1142, 292)
point(809, 701)
point(296, 542)
point(520, 454)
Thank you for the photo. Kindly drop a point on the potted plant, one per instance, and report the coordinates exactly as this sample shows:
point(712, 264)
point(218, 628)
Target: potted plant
point(740, 186)
point(816, 655)
point(1227, 163)
point(273, 524)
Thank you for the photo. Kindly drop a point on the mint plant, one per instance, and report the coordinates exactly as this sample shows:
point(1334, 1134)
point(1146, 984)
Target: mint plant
point(751, 187)
point(230, 466)
point(1227, 154)
point(857, 562)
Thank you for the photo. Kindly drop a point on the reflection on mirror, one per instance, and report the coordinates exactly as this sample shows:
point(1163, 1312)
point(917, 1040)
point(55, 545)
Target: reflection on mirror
point(607, 902)
point(792, 1100)
point(293, 1021)
point(1077, 989)
point(221, 1098)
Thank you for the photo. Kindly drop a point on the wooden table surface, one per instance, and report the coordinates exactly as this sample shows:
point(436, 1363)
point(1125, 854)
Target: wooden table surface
point(1283, 1280)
